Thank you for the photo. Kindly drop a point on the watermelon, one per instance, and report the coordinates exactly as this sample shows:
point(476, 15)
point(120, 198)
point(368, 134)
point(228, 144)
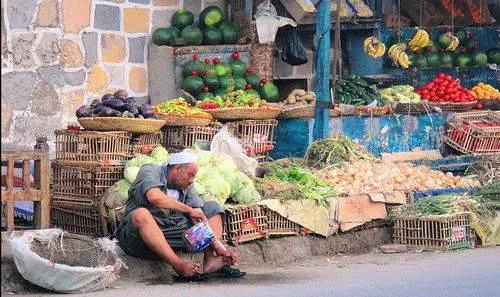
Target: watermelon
point(269, 92)
point(193, 65)
point(253, 79)
point(420, 61)
point(204, 95)
point(211, 82)
point(211, 16)
point(229, 33)
point(212, 36)
point(175, 31)
point(220, 92)
point(240, 83)
point(479, 59)
point(445, 40)
point(220, 70)
point(446, 60)
point(463, 61)
point(253, 92)
point(238, 68)
point(192, 35)
point(162, 36)
point(226, 83)
point(182, 18)
point(493, 56)
point(433, 59)
point(193, 85)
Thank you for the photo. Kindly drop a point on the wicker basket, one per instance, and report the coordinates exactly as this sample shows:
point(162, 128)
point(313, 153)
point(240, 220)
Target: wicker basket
point(371, 111)
point(245, 113)
point(491, 104)
point(177, 120)
point(79, 219)
point(92, 148)
point(411, 108)
point(299, 112)
point(139, 126)
point(453, 106)
point(176, 139)
point(448, 232)
point(245, 223)
point(144, 143)
point(279, 225)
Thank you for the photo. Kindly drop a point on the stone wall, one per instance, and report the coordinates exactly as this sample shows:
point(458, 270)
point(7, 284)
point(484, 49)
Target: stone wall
point(60, 54)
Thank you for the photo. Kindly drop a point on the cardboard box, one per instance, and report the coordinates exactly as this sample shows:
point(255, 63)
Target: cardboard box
point(480, 12)
point(302, 11)
point(430, 15)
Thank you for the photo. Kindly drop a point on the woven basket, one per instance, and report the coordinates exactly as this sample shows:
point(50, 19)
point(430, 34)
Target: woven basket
point(299, 112)
point(139, 126)
point(492, 104)
point(453, 106)
point(245, 113)
point(411, 108)
point(371, 111)
point(177, 120)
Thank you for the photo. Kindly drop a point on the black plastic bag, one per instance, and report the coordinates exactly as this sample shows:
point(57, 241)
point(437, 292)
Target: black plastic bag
point(294, 52)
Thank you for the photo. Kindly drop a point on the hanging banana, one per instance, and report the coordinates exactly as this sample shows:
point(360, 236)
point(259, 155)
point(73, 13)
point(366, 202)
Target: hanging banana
point(373, 47)
point(419, 40)
point(398, 56)
point(453, 44)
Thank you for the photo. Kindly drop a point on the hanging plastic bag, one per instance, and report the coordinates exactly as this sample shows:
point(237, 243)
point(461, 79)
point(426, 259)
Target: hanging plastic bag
point(294, 52)
point(223, 142)
point(268, 22)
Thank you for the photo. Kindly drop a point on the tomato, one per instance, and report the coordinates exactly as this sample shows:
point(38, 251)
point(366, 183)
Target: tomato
point(446, 97)
point(478, 106)
point(440, 75)
point(437, 81)
point(426, 96)
point(449, 78)
point(440, 93)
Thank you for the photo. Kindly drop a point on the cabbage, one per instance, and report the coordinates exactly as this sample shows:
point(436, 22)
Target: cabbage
point(247, 195)
point(117, 194)
point(139, 160)
point(131, 172)
point(122, 186)
point(160, 154)
point(225, 161)
point(199, 188)
point(216, 188)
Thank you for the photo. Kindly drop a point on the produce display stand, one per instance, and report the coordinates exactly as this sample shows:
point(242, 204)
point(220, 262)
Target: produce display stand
point(411, 108)
point(279, 225)
point(176, 139)
point(257, 136)
point(144, 143)
point(132, 125)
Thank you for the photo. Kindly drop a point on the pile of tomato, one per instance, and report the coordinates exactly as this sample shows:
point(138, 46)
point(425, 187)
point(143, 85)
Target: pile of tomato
point(444, 88)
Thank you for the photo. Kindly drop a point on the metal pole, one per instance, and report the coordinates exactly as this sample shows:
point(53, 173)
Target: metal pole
point(322, 73)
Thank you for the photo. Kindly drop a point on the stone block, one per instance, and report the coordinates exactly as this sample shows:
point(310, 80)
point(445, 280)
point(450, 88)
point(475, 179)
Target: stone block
point(71, 55)
point(48, 50)
point(75, 15)
point(17, 88)
point(161, 18)
point(4, 35)
point(107, 17)
point(194, 6)
point(89, 40)
point(6, 119)
point(115, 1)
point(116, 75)
point(113, 48)
point(281, 68)
point(20, 13)
point(136, 20)
point(138, 79)
point(97, 79)
point(45, 100)
point(56, 76)
point(47, 14)
point(166, 2)
point(71, 101)
point(140, 1)
point(136, 48)
point(21, 49)
point(27, 127)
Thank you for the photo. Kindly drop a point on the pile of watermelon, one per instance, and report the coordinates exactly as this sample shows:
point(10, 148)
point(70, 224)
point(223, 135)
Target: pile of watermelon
point(212, 78)
point(212, 29)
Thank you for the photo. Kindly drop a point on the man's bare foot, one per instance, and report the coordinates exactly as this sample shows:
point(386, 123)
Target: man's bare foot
point(212, 263)
point(230, 256)
point(186, 269)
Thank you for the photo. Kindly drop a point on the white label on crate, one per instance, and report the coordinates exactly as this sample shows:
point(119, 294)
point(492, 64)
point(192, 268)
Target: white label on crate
point(458, 233)
point(259, 138)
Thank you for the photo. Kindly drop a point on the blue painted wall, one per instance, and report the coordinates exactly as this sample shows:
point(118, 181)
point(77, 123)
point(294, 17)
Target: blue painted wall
point(392, 133)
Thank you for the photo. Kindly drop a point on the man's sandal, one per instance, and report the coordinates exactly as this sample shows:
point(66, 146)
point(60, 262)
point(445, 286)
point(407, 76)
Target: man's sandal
point(198, 277)
point(227, 272)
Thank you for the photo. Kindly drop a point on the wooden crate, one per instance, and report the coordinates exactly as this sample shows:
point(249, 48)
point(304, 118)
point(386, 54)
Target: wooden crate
point(83, 185)
point(279, 225)
point(449, 232)
point(81, 219)
point(144, 143)
point(246, 223)
point(92, 147)
point(37, 191)
point(257, 136)
point(176, 139)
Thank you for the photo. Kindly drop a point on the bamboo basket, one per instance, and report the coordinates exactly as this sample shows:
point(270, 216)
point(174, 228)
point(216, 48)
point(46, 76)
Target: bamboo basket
point(133, 125)
point(300, 112)
point(371, 111)
point(80, 219)
point(453, 106)
point(411, 108)
point(177, 120)
point(245, 113)
point(279, 225)
point(144, 143)
point(176, 139)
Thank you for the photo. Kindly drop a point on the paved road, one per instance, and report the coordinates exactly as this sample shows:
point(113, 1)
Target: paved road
point(459, 273)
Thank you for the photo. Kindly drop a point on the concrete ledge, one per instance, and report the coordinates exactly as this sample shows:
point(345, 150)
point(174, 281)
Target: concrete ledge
point(276, 251)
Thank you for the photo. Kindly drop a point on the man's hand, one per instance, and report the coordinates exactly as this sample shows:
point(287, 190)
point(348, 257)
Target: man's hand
point(196, 215)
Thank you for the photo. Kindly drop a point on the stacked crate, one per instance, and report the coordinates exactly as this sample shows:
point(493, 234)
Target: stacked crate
point(257, 137)
point(87, 163)
point(175, 139)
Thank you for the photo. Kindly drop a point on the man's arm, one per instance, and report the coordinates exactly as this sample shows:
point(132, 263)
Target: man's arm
point(156, 197)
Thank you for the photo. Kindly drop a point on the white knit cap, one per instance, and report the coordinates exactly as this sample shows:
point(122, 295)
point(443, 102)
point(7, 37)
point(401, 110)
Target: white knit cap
point(182, 158)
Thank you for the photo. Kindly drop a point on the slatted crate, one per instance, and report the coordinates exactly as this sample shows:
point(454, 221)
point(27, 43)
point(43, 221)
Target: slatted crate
point(279, 225)
point(144, 143)
point(83, 184)
point(79, 219)
point(74, 147)
point(440, 232)
point(257, 136)
point(246, 223)
point(176, 139)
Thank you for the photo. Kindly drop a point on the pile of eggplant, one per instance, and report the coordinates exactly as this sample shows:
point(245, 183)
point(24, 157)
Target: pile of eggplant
point(116, 105)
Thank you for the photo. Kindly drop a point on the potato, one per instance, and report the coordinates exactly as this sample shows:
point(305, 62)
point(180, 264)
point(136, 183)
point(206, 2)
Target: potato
point(299, 92)
point(291, 99)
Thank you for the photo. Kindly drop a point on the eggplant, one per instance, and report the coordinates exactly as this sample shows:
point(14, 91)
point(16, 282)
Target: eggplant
point(146, 110)
point(95, 103)
point(107, 97)
point(98, 109)
point(114, 103)
point(82, 112)
point(132, 108)
point(121, 93)
point(106, 112)
point(127, 114)
point(123, 99)
point(116, 113)
point(130, 100)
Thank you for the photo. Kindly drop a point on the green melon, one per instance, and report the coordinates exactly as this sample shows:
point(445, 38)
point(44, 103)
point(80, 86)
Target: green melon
point(211, 82)
point(193, 85)
point(240, 83)
point(162, 36)
point(182, 18)
point(226, 83)
point(238, 68)
point(211, 16)
point(192, 35)
point(191, 65)
point(212, 36)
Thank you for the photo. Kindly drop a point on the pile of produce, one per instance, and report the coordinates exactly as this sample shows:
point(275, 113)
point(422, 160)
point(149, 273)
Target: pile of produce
point(158, 156)
point(401, 94)
point(211, 78)
point(333, 151)
point(180, 107)
point(494, 54)
point(278, 190)
point(373, 47)
point(212, 29)
point(238, 98)
point(376, 176)
point(485, 91)
point(398, 56)
point(300, 97)
point(355, 91)
point(116, 105)
point(309, 185)
point(445, 89)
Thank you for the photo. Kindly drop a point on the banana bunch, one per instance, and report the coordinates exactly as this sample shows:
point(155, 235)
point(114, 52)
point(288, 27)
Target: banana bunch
point(418, 41)
point(374, 47)
point(398, 56)
point(453, 44)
